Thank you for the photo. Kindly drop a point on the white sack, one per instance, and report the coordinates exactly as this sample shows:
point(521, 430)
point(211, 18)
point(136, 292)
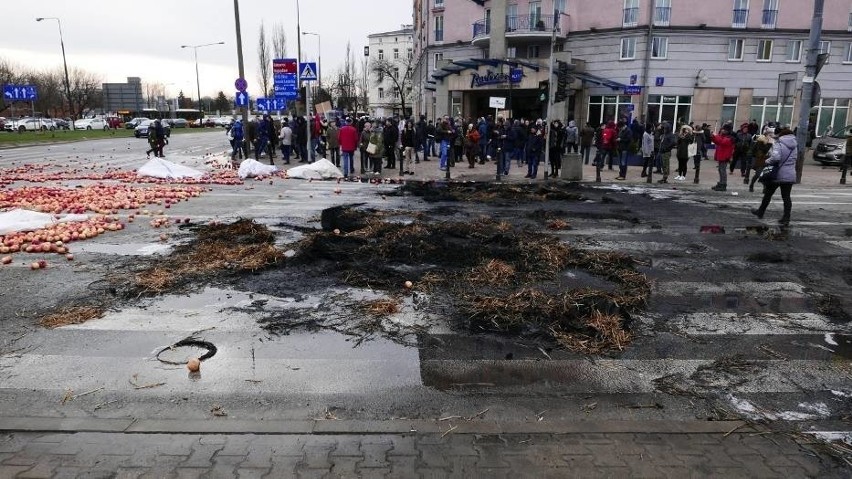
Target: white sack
point(318, 170)
point(26, 220)
point(252, 168)
point(160, 168)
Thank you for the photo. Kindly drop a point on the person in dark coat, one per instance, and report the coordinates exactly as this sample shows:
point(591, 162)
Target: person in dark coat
point(535, 145)
point(389, 139)
point(557, 144)
point(262, 138)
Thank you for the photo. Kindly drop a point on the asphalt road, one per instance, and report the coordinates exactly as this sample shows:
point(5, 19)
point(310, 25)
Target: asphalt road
point(737, 327)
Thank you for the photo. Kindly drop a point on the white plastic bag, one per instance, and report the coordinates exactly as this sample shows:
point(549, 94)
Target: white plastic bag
point(160, 168)
point(26, 220)
point(318, 170)
point(252, 168)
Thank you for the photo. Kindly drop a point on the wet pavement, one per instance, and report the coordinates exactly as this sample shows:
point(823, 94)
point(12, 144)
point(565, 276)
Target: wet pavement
point(749, 325)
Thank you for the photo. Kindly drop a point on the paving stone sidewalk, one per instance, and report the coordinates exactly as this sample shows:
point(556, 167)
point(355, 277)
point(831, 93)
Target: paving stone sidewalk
point(115, 455)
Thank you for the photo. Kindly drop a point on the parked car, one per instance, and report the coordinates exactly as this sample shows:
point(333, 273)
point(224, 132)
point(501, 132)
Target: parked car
point(141, 131)
point(91, 124)
point(224, 121)
point(62, 124)
point(179, 123)
point(831, 148)
point(30, 124)
point(210, 121)
point(134, 123)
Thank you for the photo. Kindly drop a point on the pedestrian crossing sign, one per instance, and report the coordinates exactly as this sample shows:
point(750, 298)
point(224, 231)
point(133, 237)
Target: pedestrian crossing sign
point(308, 72)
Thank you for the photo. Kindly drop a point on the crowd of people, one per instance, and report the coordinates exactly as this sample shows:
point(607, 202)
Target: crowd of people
point(395, 143)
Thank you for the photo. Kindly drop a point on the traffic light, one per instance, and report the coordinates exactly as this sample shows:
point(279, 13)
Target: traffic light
point(562, 81)
point(543, 92)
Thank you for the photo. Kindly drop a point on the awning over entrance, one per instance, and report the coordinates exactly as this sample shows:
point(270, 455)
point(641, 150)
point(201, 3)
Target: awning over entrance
point(458, 66)
point(599, 81)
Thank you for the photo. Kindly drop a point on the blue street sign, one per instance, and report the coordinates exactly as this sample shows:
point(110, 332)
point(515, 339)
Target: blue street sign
point(632, 90)
point(269, 104)
point(309, 71)
point(285, 83)
point(661, 81)
point(20, 92)
point(241, 84)
point(516, 75)
point(241, 99)
point(634, 79)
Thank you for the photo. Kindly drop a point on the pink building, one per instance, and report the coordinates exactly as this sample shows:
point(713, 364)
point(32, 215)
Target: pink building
point(684, 60)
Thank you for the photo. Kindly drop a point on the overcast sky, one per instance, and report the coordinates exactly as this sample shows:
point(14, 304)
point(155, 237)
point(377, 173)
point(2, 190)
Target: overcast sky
point(121, 38)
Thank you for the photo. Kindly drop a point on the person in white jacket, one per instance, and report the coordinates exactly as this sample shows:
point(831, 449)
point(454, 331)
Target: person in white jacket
point(286, 137)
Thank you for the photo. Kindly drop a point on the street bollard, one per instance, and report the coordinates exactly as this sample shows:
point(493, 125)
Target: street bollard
point(572, 167)
point(697, 171)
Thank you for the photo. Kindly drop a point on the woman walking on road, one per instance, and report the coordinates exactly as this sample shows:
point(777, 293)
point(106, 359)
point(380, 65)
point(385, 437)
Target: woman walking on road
point(724, 152)
point(783, 157)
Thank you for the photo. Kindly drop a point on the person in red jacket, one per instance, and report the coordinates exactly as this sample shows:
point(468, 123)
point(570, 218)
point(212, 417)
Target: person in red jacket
point(724, 142)
point(348, 144)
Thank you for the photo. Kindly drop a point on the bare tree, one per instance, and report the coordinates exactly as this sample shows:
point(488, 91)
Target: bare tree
point(279, 41)
point(264, 59)
point(85, 92)
point(399, 72)
point(346, 87)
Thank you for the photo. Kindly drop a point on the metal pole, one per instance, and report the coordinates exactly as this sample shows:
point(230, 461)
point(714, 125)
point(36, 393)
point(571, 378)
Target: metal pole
point(240, 52)
point(808, 86)
point(299, 52)
point(646, 63)
point(198, 83)
point(550, 92)
point(65, 65)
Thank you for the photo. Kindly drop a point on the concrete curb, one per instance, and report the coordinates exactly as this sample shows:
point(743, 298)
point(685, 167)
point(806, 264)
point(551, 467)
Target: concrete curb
point(316, 427)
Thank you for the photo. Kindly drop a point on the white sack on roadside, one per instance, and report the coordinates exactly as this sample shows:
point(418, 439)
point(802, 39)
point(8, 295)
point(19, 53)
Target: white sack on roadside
point(318, 170)
point(26, 220)
point(252, 168)
point(160, 168)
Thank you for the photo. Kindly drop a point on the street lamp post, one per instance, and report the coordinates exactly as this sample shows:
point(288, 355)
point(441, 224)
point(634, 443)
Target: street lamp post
point(319, 57)
point(197, 78)
point(65, 64)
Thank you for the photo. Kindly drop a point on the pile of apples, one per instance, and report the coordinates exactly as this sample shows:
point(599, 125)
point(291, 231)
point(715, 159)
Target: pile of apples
point(99, 198)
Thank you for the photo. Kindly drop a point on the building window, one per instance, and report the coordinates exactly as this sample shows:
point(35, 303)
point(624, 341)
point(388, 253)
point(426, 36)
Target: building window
point(729, 109)
point(770, 14)
point(456, 107)
point(533, 51)
point(849, 28)
point(740, 19)
point(659, 48)
point(559, 6)
point(848, 57)
point(663, 13)
point(765, 110)
point(409, 53)
point(608, 108)
point(794, 51)
point(396, 53)
point(735, 49)
point(439, 28)
point(381, 54)
point(512, 52)
point(830, 115)
point(535, 14)
point(487, 21)
point(673, 109)
point(764, 50)
point(825, 47)
point(381, 93)
point(628, 48)
point(631, 13)
point(439, 57)
point(439, 3)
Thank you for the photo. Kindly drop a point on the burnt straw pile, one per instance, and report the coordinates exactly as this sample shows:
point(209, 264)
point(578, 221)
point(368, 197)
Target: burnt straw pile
point(240, 247)
point(486, 275)
point(480, 192)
